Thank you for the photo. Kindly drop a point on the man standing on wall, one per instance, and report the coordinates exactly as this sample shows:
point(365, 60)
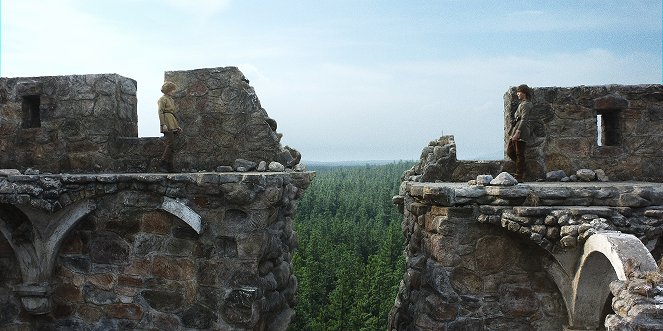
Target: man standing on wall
point(521, 128)
point(168, 122)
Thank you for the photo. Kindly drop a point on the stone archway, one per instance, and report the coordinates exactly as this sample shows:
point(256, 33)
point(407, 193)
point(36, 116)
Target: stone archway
point(36, 237)
point(606, 257)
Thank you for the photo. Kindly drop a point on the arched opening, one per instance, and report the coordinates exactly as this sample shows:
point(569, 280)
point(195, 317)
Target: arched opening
point(593, 291)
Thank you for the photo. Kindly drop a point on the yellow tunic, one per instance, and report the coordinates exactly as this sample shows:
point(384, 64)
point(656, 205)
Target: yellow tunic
point(166, 107)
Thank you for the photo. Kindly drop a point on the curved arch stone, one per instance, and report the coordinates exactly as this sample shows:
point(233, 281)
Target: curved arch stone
point(605, 258)
point(36, 243)
point(182, 212)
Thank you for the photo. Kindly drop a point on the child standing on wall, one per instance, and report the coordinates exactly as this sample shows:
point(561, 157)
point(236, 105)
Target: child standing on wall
point(168, 123)
point(521, 129)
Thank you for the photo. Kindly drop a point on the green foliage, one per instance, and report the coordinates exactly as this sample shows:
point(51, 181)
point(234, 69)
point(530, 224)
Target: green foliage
point(349, 262)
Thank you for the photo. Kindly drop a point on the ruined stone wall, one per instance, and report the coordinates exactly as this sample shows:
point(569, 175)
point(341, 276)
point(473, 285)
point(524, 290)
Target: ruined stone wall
point(438, 163)
point(133, 263)
point(618, 128)
point(488, 253)
point(92, 239)
point(89, 124)
point(223, 118)
point(465, 275)
point(62, 123)
point(487, 257)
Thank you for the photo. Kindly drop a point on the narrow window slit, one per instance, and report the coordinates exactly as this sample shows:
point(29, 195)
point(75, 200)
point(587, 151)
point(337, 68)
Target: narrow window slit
point(608, 128)
point(31, 113)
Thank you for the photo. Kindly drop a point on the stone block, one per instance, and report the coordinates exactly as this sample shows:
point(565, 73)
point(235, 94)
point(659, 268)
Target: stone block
point(173, 268)
point(163, 300)
point(517, 301)
point(465, 281)
point(124, 311)
point(102, 281)
point(493, 253)
point(198, 317)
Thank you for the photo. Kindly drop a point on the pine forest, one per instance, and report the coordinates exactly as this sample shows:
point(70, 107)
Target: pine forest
point(349, 262)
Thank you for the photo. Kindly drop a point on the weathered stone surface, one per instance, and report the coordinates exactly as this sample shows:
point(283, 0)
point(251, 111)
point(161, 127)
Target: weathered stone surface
point(517, 301)
point(558, 220)
point(504, 179)
point(275, 166)
point(586, 175)
point(555, 175)
point(109, 248)
point(93, 124)
point(130, 264)
point(9, 172)
point(244, 165)
point(601, 176)
point(484, 180)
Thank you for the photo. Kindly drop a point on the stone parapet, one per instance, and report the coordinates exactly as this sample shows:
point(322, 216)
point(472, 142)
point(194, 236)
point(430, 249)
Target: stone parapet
point(60, 123)
point(554, 213)
point(88, 123)
point(148, 251)
point(617, 128)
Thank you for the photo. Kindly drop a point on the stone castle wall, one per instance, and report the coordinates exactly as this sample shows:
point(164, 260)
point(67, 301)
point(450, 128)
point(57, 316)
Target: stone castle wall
point(134, 262)
point(487, 253)
point(617, 128)
point(94, 239)
point(88, 123)
point(65, 123)
point(491, 257)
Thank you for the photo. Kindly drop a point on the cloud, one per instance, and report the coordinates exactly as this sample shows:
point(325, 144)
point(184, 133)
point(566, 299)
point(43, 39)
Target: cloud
point(337, 92)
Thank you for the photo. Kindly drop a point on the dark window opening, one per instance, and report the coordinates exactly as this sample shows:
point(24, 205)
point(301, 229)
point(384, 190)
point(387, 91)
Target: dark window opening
point(31, 114)
point(608, 128)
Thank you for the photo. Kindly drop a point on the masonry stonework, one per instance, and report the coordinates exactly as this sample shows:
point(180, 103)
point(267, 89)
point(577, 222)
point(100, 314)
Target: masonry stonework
point(88, 123)
point(93, 239)
point(485, 252)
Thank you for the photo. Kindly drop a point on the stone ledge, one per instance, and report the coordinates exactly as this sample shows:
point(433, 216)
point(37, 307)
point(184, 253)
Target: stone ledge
point(610, 194)
point(52, 192)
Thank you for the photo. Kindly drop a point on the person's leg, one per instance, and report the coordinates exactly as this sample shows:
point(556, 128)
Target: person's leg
point(166, 163)
point(520, 160)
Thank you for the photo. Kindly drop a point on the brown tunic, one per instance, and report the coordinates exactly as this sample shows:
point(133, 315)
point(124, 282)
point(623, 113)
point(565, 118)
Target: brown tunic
point(166, 107)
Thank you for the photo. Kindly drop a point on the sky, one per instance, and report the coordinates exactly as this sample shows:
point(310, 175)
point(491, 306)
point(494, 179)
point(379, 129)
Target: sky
point(348, 79)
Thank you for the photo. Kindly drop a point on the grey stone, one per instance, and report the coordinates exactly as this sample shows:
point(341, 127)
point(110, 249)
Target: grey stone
point(262, 166)
point(109, 248)
point(163, 300)
point(224, 169)
point(555, 175)
point(9, 172)
point(483, 180)
point(586, 175)
point(632, 200)
point(300, 167)
point(198, 317)
point(276, 167)
point(569, 230)
point(568, 241)
point(601, 176)
point(504, 179)
point(242, 165)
